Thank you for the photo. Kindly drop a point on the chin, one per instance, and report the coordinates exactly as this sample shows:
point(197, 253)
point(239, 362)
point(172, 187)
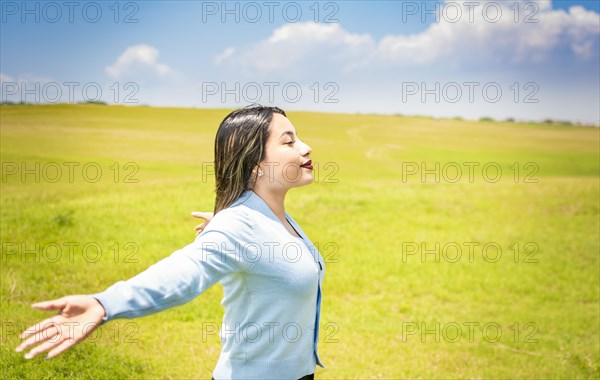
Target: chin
point(306, 179)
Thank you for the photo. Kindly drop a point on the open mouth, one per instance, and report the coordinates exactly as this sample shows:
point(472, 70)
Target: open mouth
point(307, 165)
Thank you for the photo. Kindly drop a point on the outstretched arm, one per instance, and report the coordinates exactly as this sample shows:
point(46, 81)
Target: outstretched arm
point(176, 279)
point(173, 281)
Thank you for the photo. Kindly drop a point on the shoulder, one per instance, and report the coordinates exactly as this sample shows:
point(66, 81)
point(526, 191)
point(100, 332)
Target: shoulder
point(236, 216)
point(236, 222)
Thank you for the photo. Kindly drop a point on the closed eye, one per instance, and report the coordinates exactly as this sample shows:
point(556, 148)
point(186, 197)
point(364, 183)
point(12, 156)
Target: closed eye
point(290, 143)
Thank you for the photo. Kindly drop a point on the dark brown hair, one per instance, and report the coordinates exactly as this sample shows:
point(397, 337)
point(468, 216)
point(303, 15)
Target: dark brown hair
point(239, 147)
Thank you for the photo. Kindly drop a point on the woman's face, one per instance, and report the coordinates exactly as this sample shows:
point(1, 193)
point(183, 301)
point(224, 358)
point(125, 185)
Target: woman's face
point(287, 163)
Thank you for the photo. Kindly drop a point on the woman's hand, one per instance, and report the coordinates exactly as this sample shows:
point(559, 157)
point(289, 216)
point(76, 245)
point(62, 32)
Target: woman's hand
point(78, 316)
point(202, 215)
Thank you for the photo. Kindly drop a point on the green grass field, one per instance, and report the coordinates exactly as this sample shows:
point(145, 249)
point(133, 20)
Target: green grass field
point(94, 194)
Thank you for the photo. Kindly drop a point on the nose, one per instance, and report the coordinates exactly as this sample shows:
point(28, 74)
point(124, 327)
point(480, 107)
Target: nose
point(305, 149)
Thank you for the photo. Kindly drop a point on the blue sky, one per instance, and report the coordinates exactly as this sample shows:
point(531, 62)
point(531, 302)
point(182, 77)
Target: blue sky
point(526, 59)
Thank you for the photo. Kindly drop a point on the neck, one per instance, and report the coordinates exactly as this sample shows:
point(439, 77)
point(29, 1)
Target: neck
point(274, 199)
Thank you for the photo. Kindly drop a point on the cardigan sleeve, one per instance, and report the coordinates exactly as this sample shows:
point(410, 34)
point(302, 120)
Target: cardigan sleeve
point(224, 247)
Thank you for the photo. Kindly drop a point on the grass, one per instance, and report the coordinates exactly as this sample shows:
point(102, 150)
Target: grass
point(536, 282)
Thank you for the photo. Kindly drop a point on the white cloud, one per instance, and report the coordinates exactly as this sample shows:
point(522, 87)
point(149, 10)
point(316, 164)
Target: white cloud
point(28, 87)
point(531, 37)
point(292, 43)
point(138, 55)
point(27, 80)
point(482, 38)
point(583, 49)
point(224, 55)
point(5, 78)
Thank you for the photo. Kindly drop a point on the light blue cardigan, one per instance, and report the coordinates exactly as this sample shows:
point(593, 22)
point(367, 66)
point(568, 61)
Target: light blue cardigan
point(272, 291)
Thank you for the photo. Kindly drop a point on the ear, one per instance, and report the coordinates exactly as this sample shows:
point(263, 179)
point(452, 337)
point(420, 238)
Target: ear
point(257, 172)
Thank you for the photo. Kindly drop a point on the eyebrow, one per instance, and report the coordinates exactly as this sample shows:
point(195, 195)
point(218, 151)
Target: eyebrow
point(287, 133)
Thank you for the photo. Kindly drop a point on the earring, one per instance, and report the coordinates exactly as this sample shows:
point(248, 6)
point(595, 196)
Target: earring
point(260, 172)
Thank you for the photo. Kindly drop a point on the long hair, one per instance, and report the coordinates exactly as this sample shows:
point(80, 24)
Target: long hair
point(239, 147)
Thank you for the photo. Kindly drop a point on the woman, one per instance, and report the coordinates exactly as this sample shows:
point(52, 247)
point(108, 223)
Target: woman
point(270, 271)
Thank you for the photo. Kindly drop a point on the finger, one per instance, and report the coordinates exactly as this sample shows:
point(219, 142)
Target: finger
point(59, 349)
point(40, 326)
point(50, 305)
point(45, 335)
point(47, 346)
point(203, 215)
point(199, 227)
